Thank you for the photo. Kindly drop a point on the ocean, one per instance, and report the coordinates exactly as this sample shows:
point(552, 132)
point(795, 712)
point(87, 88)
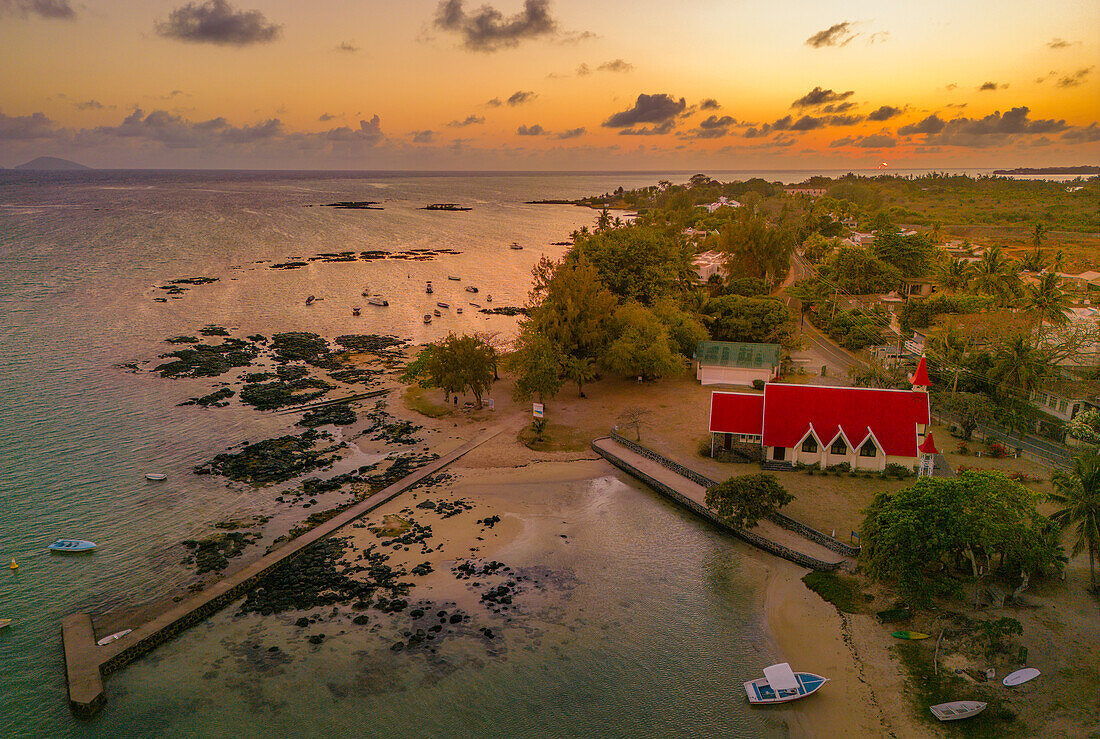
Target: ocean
point(82, 259)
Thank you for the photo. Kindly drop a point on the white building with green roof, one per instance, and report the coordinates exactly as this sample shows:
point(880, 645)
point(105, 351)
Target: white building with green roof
point(735, 363)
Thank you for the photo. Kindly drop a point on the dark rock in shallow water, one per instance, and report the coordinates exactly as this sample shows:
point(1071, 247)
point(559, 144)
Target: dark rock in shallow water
point(360, 620)
point(316, 639)
point(302, 622)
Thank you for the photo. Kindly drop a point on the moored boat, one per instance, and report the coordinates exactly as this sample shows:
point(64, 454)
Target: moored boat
point(155, 476)
point(437, 313)
point(956, 710)
point(71, 545)
point(515, 246)
point(355, 311)
point(113, 637)
point(428, 289)
point(781, 684)
point(452, 277)
point(376, 300)
point(427, 318)
point(310, 299)
point(914, 635)
point(488, 298)
point(471, 289)
point(444, 305)
point(458, 310)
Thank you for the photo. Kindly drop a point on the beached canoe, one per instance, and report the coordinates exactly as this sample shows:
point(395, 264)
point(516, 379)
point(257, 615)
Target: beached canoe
point(71, 545)
point(781, 684)
point(155, 476)
point(914, 635)
point(957, 710)
point(113, 637)
point(1021, 676)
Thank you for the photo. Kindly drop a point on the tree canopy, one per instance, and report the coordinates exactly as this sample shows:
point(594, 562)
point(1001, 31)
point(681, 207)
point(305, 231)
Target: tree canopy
point(635, 262)
point(455, 364)
point(757, 320)
point(642, 347)
point(743, 501)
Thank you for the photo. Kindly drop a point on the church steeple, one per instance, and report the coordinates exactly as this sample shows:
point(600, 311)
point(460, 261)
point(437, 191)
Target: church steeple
point(920, 377)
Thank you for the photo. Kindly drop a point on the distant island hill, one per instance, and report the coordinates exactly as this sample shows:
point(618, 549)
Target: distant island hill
point(51, 164)
point(1085, 169)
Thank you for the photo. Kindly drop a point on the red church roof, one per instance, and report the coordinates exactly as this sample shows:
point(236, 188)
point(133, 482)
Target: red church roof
point(928, 446)
point(736, 413)
point(920, 375)
point(891, 415)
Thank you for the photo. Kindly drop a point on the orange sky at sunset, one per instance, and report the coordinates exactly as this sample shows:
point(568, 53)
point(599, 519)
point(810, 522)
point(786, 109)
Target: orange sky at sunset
point(549, 84)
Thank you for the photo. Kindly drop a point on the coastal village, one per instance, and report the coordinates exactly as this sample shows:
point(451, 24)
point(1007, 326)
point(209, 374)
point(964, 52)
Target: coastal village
point(890, 403)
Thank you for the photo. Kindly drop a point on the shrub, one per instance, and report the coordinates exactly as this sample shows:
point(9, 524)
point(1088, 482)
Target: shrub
point(897, 470)
point(997, 450)
point(841, 467)
point(758, 384)
point(963, 449)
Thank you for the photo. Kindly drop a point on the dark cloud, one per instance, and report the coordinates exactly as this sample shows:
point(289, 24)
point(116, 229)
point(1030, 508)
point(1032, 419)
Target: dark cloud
point(470, 120)
point(884, 113)
point(817, 96)
point(716, 122)
point(50, 9)
point(843, 120)
point(520, 97)
point(877, 37)
point(838, 107)
point(494, 103)
point(931, 124)
point(423, 137)
point(712, 127)
point(347, 47)
point(217, 22)
point(992, 130)
point(1075, 79)
point(657, 130)
point(874, 141)
point(615, 65)
point(572, 133)
point(583, 70)
point(659, 108)
point(369, 132)
point(325, 117)
point(25, 127)
point(1084, 135)
point(839, 35)
point(709, 104)
point(89, 105)
point(486, 29)
point(951, 86)
point(535, 130)
point(1058, 43)
point(990, 86)
point(175, 132)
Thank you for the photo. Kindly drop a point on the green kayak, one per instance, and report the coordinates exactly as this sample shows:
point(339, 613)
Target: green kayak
point(914, 635)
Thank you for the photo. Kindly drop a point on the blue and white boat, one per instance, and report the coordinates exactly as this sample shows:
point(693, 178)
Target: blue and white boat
point(71, 545)
point(781, 684)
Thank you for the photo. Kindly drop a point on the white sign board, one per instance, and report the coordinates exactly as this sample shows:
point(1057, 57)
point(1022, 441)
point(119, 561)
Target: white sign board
point(536, 410)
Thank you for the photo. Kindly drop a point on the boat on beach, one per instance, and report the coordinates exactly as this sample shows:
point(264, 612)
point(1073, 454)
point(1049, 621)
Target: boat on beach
point(1020, 677)
point(914, 635)
point(957, 710)
point(155, 476)
point(781, 684)
point(113, 637)
point(71, 545)
point(376, 300)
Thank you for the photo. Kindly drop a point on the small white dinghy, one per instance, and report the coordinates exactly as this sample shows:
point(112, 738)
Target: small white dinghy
point(155, 476)
point(781, 684)
point(113, 637)
point(957, 710)
point(1021, 676)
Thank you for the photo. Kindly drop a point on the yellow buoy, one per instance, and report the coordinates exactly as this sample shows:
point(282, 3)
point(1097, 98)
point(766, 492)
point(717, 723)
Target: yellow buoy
point(13, 565)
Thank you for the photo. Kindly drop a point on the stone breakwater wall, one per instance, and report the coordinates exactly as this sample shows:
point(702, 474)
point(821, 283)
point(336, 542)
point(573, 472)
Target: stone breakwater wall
point(803, 560)
point(777, 518)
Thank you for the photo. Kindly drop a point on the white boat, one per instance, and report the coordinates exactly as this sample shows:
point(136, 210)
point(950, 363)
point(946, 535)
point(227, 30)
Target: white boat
point(113, 637)
point(155, 476)
point(515, 247)
point(1021, 676)
point(377, 300)
point(957, 710)
point(781, 684)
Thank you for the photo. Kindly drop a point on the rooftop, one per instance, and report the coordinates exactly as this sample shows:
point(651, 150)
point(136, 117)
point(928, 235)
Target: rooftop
point(737, 354)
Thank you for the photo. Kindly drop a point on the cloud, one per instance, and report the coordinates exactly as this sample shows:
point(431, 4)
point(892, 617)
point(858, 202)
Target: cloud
point(369, 132)
point(843, 120)
point(535, 130)
point(89, 105)
point(49, 9)
point(616, 65)
point(712, 127)
point(216, 22)
point(486, 29)
point(874, 141)
point(884, 113)
point(520, 97)
point(1075, 79)
point(660, 108)
point(1084, 135)
point(470, 120)
point(709, 104)
point(325, 117)
point(658, 130)
point(423, 137)
point(951, 86)
point(572, 133)
point(1058, 43)
point(817, 96)
point(583, 70)
point(877, 37)
point(838, 107)
point(992, 130)
point(839, 35)
point(347, 47)
point(494, 103)
point(991, 86)
point(25, 127)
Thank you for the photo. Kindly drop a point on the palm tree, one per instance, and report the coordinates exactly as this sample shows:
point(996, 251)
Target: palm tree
point(995, 276)
point(948, 347)
point(956, 274)
point(1021, 365)
point(1078, 492)
point(1048, 301)
point(1037, 235)
point(580, 370)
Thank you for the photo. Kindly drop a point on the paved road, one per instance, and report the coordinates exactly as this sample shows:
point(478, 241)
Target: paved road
point(697, 492)
point(820, 349)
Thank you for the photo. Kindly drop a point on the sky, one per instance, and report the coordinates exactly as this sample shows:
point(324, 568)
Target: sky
point(550, 84)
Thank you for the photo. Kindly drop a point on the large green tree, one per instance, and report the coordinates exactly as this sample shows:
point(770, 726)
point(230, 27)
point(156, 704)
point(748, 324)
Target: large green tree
point(756, 247)
point(996, 276)
point(925, 536)
point(857, 271)
point(1078, 494)
point(636, 262)
point(575, 308)
point(742, 501)
point(912, 255)
point(1047, 301)
point(685, 330)
point(537, 364)
point(758, 320)
point(1020, 365)
point(642, 347)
